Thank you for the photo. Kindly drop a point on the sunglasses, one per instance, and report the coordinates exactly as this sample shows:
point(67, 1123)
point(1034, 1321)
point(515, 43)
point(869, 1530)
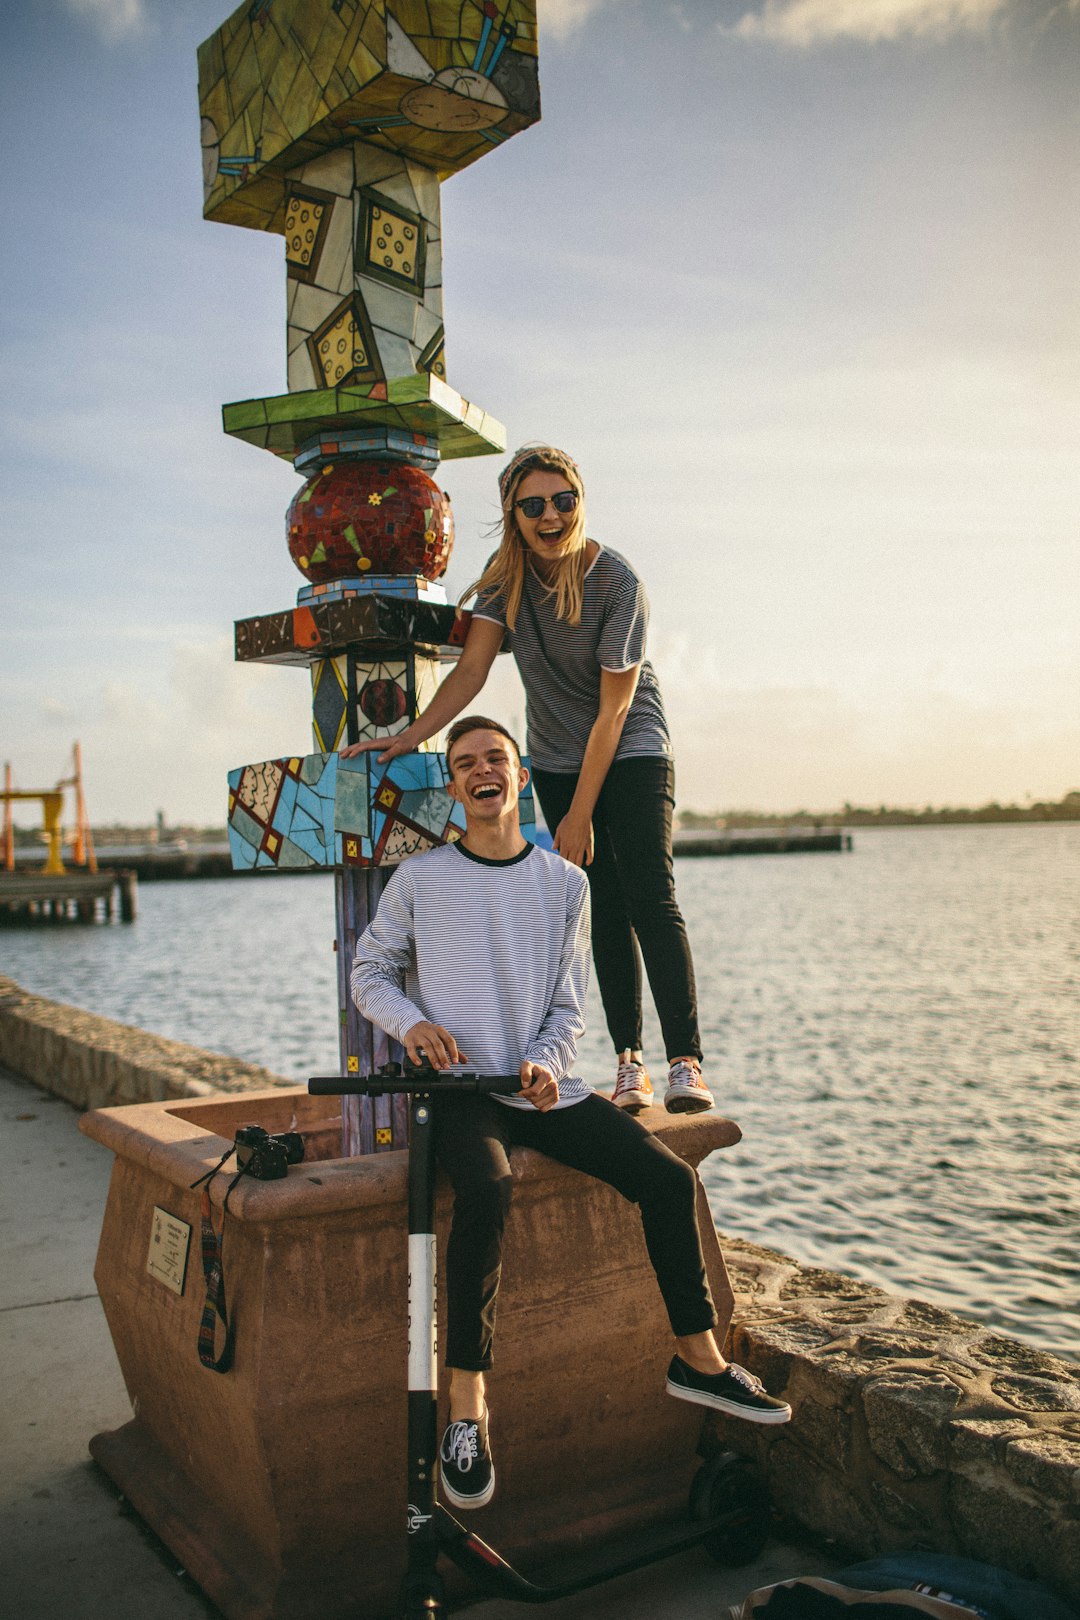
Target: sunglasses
point(533, 506)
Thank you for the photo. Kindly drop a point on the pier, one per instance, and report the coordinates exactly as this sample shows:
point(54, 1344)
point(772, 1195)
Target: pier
point(60, 897)
point(50, 892)
point(762, 841)
point(167, 863)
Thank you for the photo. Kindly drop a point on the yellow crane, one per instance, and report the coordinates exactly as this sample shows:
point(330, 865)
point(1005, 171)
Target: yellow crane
point(52, 809)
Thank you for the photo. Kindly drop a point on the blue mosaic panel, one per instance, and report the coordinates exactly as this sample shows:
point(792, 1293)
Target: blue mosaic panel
point(320, 810)
point(406, 587)
point(375, 443)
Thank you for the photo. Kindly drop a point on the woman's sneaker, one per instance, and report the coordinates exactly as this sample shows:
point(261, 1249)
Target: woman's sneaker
point(734, 1391)
point(633, 1088)
point(465, 1466)
point(686, 1091)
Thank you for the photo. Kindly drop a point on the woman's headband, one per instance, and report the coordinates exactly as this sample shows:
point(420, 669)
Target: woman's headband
point(530, 459)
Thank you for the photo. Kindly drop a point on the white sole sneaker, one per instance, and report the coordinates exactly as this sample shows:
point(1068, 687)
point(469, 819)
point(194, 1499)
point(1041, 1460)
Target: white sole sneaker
point(465, 1502)
point(688, 1100)
point(733, 1408)
point(734, 1392)
point(634, 1101)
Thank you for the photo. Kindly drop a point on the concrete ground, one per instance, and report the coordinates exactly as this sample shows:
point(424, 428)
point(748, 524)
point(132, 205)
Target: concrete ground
point(69, 1547)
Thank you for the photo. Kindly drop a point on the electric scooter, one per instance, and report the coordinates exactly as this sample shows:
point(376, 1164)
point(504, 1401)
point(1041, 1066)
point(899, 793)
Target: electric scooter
point(729, 1503)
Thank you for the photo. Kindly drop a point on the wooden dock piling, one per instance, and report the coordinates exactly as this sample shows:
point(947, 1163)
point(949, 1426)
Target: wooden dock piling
point(59, 897)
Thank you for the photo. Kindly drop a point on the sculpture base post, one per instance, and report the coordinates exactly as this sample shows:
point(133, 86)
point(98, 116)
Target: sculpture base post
point(368, 1125)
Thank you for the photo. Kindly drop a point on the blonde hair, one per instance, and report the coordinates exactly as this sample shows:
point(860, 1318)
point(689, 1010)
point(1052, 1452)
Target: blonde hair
point(505, 572)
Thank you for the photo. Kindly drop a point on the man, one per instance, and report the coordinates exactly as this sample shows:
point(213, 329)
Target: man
point(479, 953)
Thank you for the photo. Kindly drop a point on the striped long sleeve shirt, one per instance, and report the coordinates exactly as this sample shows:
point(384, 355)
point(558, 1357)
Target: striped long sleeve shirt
point(497, 952)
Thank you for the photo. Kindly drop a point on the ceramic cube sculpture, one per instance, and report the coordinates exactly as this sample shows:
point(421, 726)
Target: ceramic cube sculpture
point(322, 811)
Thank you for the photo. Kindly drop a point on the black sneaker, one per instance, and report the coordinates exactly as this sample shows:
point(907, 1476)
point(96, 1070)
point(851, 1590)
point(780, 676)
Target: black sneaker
point(734, 1391)
point(465, 1466)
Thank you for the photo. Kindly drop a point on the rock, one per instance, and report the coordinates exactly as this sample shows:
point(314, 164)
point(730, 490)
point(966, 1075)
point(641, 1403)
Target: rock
point(906, 1418)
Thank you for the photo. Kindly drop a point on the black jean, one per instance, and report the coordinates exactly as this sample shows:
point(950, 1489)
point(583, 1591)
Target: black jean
point(473, 1136)
point(632, 883)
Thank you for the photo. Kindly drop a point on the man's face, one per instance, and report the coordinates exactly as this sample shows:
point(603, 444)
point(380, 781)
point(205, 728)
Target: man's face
point(486, 777)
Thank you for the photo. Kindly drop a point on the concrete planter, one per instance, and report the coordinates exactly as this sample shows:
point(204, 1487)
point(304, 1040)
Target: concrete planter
point(280, 1484)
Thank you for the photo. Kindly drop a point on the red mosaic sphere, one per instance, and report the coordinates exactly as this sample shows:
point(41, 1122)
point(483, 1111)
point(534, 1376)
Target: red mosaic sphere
point(382, 702)
point(379, 517)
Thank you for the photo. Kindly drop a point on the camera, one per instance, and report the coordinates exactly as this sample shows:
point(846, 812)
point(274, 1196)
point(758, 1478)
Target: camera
point(267, 1157)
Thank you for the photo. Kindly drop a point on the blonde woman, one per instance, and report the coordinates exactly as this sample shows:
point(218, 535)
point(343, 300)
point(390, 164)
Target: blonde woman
point(576, 615)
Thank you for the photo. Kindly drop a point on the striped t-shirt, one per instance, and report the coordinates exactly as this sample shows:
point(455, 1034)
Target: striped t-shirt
point(560, 663)
point(497, 952)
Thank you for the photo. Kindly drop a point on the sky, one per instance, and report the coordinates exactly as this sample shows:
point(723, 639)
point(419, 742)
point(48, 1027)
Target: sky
point(794, 281)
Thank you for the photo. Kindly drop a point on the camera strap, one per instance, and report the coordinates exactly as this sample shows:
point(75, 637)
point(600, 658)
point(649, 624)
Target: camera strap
point(215, 1308)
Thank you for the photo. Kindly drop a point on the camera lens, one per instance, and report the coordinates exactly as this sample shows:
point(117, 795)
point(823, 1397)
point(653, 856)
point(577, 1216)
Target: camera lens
point(293, 1143)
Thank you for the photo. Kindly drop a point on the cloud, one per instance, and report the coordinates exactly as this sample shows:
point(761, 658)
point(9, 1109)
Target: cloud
point(562, 18)
point(113, 19)
point(804, 23)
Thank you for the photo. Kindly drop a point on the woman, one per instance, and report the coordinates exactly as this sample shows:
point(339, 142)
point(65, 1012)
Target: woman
point(575, 615)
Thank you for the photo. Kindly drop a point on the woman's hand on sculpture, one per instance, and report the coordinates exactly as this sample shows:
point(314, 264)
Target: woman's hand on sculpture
point(390, 748)
point(574, 840)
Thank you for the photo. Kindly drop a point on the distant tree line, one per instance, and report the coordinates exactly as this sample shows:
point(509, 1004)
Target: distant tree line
point(850, 815)
point(117, 832)
point(883, 815)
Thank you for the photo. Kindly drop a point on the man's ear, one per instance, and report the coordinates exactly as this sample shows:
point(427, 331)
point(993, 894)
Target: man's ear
point(523, 778)
point(451, 788)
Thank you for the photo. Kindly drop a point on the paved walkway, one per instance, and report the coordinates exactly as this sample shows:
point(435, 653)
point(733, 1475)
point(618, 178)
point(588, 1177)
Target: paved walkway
point(69, 1549)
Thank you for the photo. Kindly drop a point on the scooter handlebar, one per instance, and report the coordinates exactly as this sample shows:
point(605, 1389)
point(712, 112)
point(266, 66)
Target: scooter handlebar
point(395, 1079)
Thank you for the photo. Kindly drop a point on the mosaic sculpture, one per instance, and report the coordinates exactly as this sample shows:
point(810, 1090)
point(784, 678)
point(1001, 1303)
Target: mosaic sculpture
point(333, 123)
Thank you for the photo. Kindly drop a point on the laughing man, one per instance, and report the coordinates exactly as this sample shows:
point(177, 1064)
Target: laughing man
point(482, 948)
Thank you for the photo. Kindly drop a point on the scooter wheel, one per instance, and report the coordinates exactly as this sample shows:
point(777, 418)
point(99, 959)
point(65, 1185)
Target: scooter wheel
point(732, 1489)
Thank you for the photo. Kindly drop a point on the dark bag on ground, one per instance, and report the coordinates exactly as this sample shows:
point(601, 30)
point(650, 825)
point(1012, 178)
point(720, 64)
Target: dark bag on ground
point(906, 1585)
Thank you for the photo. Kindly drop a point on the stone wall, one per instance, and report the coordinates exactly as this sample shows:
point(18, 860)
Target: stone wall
point(913, 1427)
point(97, 1063)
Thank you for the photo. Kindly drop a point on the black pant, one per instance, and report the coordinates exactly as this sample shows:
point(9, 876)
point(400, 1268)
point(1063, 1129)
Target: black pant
point(473, 1136)
point(633, 894)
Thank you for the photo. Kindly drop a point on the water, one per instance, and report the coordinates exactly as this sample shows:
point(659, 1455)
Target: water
point(896, 1030)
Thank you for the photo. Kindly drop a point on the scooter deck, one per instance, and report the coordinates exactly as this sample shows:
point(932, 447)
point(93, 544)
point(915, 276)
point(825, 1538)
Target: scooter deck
point(576, 1573)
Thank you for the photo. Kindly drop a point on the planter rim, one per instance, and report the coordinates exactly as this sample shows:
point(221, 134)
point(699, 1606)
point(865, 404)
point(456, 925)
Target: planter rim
point(163, 1137)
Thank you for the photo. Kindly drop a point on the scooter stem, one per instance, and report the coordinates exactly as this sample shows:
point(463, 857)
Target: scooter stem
point(422, 1593)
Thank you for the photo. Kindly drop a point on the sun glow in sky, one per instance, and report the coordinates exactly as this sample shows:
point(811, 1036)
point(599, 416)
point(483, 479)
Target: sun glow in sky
point(793, 280)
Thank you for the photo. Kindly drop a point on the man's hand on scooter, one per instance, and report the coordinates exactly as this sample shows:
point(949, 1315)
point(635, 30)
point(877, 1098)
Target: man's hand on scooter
point(434, 1043)
point(539, 1086)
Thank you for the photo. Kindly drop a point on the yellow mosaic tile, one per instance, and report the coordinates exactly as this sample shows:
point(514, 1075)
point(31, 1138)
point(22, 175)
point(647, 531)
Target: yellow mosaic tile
point(341, 348)
point(394, 243)
point(302, 221)
point(306, 221)
point(326, 49)
point(413, 17)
